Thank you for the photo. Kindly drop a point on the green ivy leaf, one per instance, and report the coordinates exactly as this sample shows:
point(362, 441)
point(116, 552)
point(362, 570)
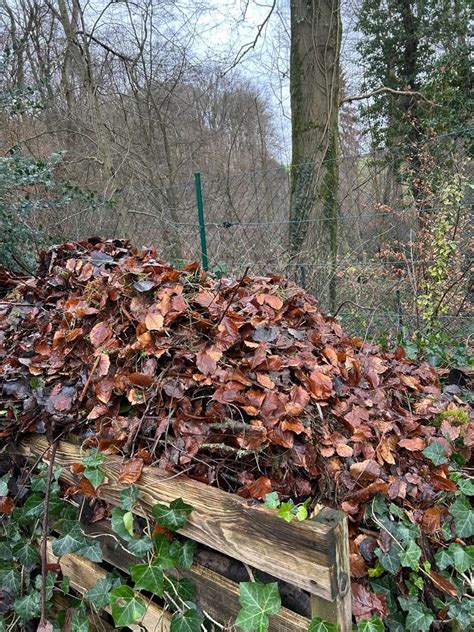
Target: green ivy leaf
point(377, 571)
point(4, 484)
point(98, 595)
point(140, 547)
point(50, 581)
point(96, 476)
point(184, 587)
point(65, 585)
point(28, 607)
point(411, 556)
point(390, 560)
point(173, 517)
point(271, 500)
point(257, 601)
point(286, 511)
point(183, 553)
point(6, 553)
point(10, 577)
point(25, 553)
point(148, 577)
point(463, 516)
point(128, 522)
point(188, 621)
point(301, 513)
point(90, 549)
point(436, 453)
point(33, 507)
point(419, 618)
point(70, 542)
point(374, 624)
point(127, 607)
point(463, 556)
point(466, 486)
point(129, 497)
point(93, 458)
point(79, 620)
point(164, 555)
point(318, 625)
point(462, 613)
point(118, 523)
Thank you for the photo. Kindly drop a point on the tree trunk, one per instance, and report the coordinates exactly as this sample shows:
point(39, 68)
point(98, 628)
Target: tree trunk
point(314, 87)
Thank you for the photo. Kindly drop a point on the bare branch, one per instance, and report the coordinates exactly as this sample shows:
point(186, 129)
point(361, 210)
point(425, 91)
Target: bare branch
point(384, 89)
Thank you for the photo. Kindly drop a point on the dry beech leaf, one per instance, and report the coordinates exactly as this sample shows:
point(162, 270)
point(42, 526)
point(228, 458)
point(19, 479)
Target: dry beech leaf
point(131, 471)
point(413, 445)
point(154, 321)
point(320, 385)
point(100, 332)
point(366, 470)
point(207, 360)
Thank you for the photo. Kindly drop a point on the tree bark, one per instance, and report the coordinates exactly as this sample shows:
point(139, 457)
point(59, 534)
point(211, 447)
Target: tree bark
point(314, 87)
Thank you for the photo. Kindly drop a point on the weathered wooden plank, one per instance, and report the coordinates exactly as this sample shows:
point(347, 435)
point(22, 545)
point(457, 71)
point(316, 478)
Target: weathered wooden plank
point(301, 553)
point(84, 574)
point(216, 595)
point(339, 610)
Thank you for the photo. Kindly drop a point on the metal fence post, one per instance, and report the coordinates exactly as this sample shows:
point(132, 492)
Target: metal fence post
point(202, 225)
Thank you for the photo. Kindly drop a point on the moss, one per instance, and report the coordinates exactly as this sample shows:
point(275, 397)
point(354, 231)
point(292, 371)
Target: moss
point(456, 416)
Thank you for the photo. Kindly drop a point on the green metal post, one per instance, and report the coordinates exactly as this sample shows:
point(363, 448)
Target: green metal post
point(202, 225)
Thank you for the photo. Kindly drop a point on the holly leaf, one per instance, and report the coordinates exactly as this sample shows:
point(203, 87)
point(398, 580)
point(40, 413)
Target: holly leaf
point(188, 621)
point(318, 625)
point(257, 601)
point(271, 500)
point(148, 577)
point(435, 452)
point(463, 516)
point(374, 624)
point(419, 618)
point(98, 595)
point(127, 607)
point(173, 517)
point(410, 556)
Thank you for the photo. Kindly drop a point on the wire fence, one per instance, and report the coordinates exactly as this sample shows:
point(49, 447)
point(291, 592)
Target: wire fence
point(234, 222)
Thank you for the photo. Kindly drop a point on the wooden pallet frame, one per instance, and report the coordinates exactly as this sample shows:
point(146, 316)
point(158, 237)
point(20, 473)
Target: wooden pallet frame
point(312, 555)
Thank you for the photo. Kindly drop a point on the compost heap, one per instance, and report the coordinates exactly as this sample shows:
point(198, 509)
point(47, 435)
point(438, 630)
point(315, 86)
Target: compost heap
point(242, 384)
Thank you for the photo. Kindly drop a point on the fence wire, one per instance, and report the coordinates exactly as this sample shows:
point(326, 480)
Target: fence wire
point(376, 271)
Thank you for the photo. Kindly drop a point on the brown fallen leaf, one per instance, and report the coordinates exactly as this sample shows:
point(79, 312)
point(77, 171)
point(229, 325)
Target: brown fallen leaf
point(365, 470)
point(415, 444)
point(131, 471)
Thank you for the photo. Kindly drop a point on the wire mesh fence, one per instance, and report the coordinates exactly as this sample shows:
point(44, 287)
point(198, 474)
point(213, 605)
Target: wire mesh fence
point(376, 269)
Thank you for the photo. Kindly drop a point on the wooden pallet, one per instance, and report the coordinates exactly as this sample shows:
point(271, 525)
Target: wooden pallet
point(311, 555)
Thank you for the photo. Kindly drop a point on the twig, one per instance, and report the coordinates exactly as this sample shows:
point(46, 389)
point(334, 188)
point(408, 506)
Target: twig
point(249, 571)
point(44, 535)
point(86, 385)
point(236, 289)
point(228, 448)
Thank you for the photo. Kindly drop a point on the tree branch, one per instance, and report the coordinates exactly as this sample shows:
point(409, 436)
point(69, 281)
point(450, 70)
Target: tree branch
point(385, 89)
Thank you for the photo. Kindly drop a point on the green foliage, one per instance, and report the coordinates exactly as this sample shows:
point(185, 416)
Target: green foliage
point(127, 607)
point(257, 601)
point(287, 510)
point(318, 625)
point(374, 624)
point(173, 517)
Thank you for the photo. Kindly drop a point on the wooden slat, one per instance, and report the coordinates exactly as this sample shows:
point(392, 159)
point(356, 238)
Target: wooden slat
point(96, 622)
point(338, 611)
point(301, 553)
point(83, 575)
point(216, 595)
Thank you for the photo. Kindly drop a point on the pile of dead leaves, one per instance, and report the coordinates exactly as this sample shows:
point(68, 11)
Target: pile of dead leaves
point(242, 383)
